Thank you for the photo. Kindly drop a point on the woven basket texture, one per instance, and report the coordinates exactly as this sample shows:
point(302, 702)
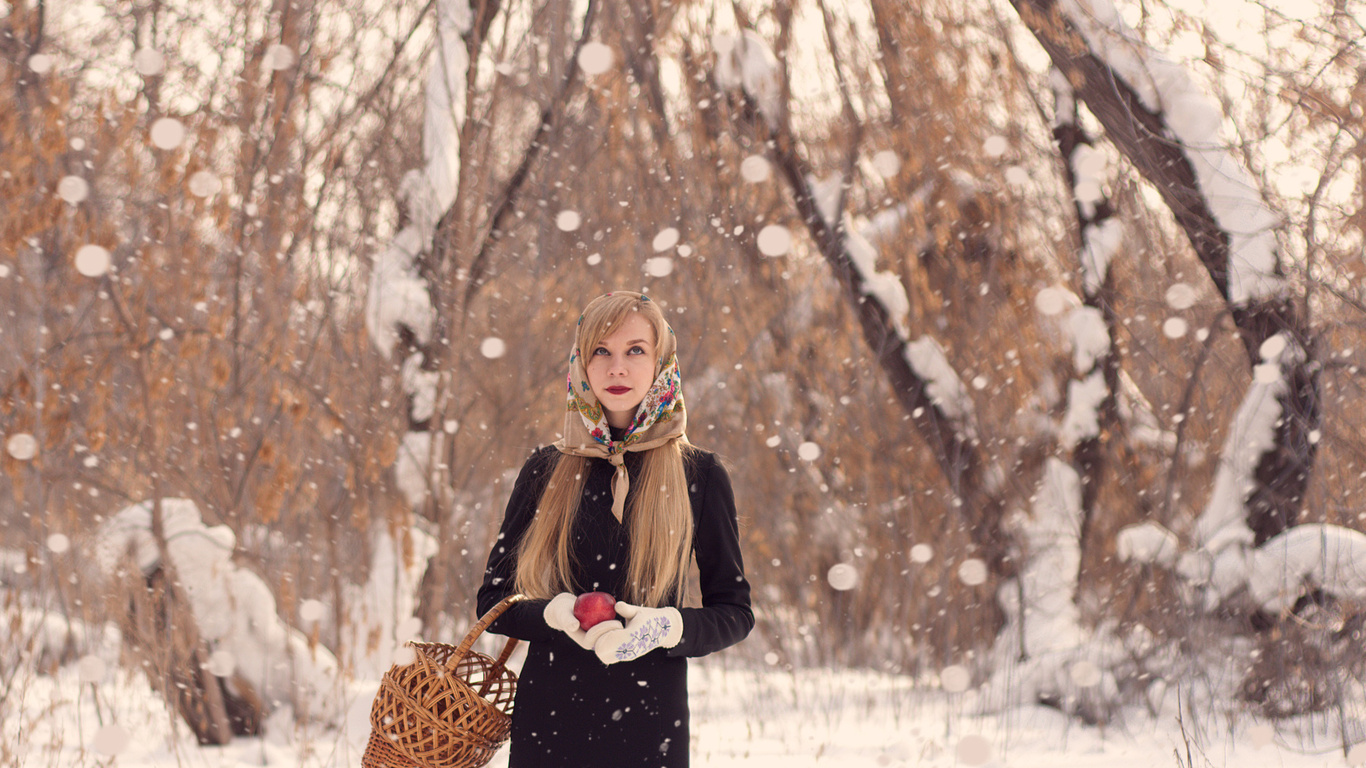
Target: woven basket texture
point(447, 709)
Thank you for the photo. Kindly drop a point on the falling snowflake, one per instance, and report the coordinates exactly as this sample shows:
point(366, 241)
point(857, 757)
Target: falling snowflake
point(594, 259)
point(774, 240)
point(73, 189)
point(755, 169)
point(842, 577)
point(149, 62)
point(568, 221)
point(22, 446)
point(111, 739)
point(279, 57)
point(492, 348)
point(312, 611)
point(168, 133)
point(955, 678)
point(1017, 176)
point(595, 58)
point(995, 146)
point(773, 442)
point(659, 266)
point(887, 163)
point(972, 572)
point(40, 63)
point(1175, 328)
point(922, 553)
point(666, 239)
point(59, 543)
point(808, 451)
point(1050, 301)
point(974, 750)
point(1180, 296)
point(92, 260)
point(205, 184)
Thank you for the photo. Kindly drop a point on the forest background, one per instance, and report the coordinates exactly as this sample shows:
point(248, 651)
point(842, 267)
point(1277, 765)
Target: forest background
point(1030, 331)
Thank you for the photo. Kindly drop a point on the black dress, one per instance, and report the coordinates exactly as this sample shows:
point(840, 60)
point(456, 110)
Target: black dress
point(572, 710)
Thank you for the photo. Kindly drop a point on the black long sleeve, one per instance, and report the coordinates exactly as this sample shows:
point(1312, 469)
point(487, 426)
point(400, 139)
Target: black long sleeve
point(524, 620)
point(725, 617)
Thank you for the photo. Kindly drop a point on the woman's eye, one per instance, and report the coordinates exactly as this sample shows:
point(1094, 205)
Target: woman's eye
point(637, 351)
point(600, 351)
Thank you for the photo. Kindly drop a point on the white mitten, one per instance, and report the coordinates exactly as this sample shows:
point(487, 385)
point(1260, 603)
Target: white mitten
point(646, 629)
point(559, 614)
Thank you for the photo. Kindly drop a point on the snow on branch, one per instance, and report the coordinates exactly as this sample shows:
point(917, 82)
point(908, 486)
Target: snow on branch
point(380, 613)
point(744, 61)
point(1084, 399)
point(942, 383)
point(234, 609)
point(1176, 108)
point(1252, 434)
point(1049, 580)
point(1165, 88)
point(920, 375)
point(1223, 557)
point(399, 297)
point(924, 355)
point(1045, 653)
point(1327, 557)
point(1147, 543)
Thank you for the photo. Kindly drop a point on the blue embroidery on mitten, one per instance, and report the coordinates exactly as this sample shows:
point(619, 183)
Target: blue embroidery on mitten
point(645, 639)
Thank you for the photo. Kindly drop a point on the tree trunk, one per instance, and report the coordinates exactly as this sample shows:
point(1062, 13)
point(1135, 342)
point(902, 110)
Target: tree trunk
point(1146, 139)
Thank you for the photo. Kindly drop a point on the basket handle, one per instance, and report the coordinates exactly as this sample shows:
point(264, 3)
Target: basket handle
point(478, 629)
point(483, 624)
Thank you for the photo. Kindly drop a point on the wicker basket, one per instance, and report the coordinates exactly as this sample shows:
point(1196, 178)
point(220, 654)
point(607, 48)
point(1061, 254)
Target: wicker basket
point(450, 708)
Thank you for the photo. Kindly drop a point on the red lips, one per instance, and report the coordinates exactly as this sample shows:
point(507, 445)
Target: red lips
point(618, 390)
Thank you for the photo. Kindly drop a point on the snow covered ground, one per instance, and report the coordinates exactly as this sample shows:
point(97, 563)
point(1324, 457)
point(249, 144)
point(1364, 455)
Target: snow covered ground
point(742, 716)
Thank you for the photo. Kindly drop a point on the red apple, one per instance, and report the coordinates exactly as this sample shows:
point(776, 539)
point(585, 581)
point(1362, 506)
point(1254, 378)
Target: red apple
point(593, 607)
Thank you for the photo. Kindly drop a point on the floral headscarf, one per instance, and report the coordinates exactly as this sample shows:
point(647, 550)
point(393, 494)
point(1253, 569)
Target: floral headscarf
point(659, 418)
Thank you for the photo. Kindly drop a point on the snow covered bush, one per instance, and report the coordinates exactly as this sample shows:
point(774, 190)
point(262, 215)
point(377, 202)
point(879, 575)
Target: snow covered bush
point(233, 610)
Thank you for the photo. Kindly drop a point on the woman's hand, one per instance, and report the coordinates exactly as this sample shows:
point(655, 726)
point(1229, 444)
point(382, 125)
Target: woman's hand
point(559, 614)
point(646, 629)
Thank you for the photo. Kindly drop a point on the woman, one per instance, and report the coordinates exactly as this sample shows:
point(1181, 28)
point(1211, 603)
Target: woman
point(620, 505)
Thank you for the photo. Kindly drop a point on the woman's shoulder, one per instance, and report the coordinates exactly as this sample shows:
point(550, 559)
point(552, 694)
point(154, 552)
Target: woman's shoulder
point(541, 460)
point(702, 462)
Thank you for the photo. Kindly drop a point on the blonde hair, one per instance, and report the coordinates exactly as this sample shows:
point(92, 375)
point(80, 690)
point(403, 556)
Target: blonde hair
point(659, 513)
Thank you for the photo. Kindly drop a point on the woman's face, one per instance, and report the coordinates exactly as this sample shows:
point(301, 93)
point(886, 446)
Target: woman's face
point(621, 369)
